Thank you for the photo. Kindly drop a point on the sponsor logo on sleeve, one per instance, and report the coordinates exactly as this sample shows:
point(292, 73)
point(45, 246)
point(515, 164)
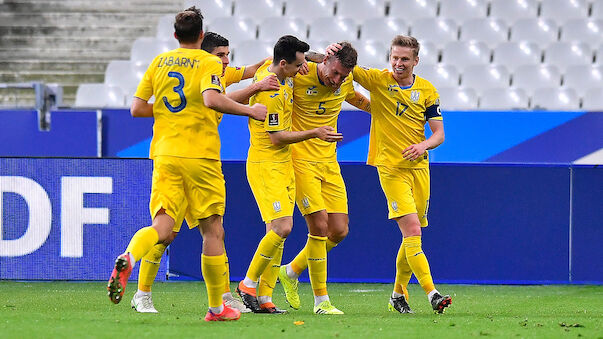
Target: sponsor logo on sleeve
point(215, 80)
point(273, 119)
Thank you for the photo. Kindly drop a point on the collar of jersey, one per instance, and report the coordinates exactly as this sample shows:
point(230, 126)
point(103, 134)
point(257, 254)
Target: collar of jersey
point(318, 76)
point(409, 86)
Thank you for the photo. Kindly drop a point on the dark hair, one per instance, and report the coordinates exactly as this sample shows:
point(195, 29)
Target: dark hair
point(188, 25)
point(212, 40)
point(407, 41)
point(286, 48)
point(347, 55)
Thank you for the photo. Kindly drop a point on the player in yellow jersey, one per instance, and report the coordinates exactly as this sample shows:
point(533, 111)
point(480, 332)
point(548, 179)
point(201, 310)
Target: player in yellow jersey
point(401, 104)
point(270, 171)
point(186, 157)
point(149, 265)
point(320, 190)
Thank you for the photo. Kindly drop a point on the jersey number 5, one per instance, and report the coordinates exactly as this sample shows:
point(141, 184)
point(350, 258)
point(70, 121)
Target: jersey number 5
point(321, 108)
point(400, 105)
point(177, 89)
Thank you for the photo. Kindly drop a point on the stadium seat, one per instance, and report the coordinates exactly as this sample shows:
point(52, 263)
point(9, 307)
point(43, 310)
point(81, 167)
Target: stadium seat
point(211, 8)
point(453, 98)
point(144, 50)
point(597, 9)
point(271, 29)
point(532, 78)
point(513, 10)
point(599, 55)
point(122, 74)
point(539, 31)
point(440, 75)
point(463, 54)
point(563, 10)
point(566, 54)
point(333, 29)
point(234, 29)
point(440, 31)
point(515, 54)
point(309, 9)
point(583, 78)
point(504, 99)
point(372, 54)
point(258, 9)
point(411, 10)
point(589, 31)
point(429, 56)
point(593, 100)
point(460, 10)
point(361, 9)
point(489, 31)
point(561, 99)
point(250, 52)
point(383, 29)
point(485, 77)
point(318, 45)
point(99, 96)
point(165, 27)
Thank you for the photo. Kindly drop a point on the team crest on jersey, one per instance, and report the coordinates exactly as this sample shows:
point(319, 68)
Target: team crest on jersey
point(305, 202)
point(392, 89)
point(277, 206)
point(311, 91)
point(395, 206)
point(290, 82)
point(273, 119)
point(414, 96)
point(215, 80)
point(337, 91)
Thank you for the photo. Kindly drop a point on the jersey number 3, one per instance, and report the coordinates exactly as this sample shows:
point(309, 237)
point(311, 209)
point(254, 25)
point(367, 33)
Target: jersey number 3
point(177, 89)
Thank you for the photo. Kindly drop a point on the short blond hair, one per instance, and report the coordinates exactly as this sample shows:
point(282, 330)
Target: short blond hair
point(406, 41)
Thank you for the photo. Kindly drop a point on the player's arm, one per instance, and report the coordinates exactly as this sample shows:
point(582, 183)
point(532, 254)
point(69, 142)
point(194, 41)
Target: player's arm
point(141, 108)
point(251, 69)
point(360, 101)
point(221, 103)
point(269, 83)
point(326, 133)
point(436, 126)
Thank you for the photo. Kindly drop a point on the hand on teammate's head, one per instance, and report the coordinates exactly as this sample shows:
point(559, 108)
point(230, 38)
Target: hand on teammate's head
point(333, 48)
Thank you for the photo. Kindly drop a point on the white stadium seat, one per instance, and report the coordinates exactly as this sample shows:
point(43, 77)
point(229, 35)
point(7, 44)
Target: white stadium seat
point(383, 29)
point(318, 45)
point(515, 54)
point(250, 52)
point(460, 10)
point(361, 9)
point(99, 96)
point(539, 31)
point(334, 29)
point(583, 78)
point(485, 77)
point(588, 31)
point(454, 98)
point(144, 50)
point(532, 78)
point(599, 55)
point(429, 56)
point(512, 10)
point(372, 54)
point(309, 9)
point(234, 29)
point(165, 27)
point(271, 29)
point(593, 100)
point(411, 10)
point(563, 10)
point(561, 99)
point(211, 8)
point(566, 54)
point(439, 31)
point(440, 76)
point(504, 99)
point(597, 9)
point(122, 73)
point(463, 54)
point(490, 31)
point(258, 9)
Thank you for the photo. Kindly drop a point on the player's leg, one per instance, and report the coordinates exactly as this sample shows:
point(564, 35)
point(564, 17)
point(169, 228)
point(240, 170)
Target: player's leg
point(267, 281)
point(227, 297)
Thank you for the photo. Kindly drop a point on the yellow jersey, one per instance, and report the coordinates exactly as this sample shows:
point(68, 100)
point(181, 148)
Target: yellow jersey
point(183, 126)
point(398, 116)
point(315, 105)
point(278, 118)
point(232, 75)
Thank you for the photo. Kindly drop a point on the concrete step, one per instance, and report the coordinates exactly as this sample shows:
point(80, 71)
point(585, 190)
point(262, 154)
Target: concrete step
point(97, 42)
point(24, 65)
point(61, 77)
point(77, 19)
point(125, 30)
point(63, 53)
point(132, 6)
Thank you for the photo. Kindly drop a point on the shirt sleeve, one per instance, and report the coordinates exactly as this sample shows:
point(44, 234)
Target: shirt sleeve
point(144, 90)
point(364, 76)
point(274, 106)
point(233, 75)
point(350, 92)
point(432, 106)
point(210, 79)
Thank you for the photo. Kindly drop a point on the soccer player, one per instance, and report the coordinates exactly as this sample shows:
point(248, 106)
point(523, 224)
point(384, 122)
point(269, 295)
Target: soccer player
point(186, 157)
point(270, 171)
point(401, 104)
point(320, 190)
point(149, 265)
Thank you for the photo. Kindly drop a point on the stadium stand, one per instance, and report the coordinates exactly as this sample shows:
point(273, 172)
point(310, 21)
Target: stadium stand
point(567, 54)
point(532, 78)
point(513, 10)
point(593, 99)
point(504, 99)
point(270, 29)
point(437, 30)
point(583, 78)
point(463, 54)
point(539, 31)
point(485, 77)
point(310, 9)
point(99, 95)
point(461, 10)
point(516, 54)
point(236, 29)
point(333, 29)
point(588, 31)
point(458, 98)
point(209, 8)
point(562, 99)
point(563, 10)
point(487, 30)
point(259, 9)
point(411, 10)
point(361, 9)
point(383, 29)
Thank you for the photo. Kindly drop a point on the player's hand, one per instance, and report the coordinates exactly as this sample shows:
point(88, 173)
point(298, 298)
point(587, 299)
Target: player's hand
point(258, 112)
point(269, 83)
point(413, 152)
point(327, 133)
point(333, 48)
point(304, 69)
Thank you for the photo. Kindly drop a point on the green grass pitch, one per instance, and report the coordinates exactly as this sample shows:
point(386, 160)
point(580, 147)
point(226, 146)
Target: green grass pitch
point(82, 310)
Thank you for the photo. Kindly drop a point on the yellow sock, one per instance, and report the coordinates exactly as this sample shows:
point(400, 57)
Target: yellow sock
point(300, 262)
point(149, 266)
point(403, 272)
point(264, 254)
point(227, 276)
point(418, 262)
point(212, 268)
point(142, 242)
point(317, 263)
point(270, 274)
